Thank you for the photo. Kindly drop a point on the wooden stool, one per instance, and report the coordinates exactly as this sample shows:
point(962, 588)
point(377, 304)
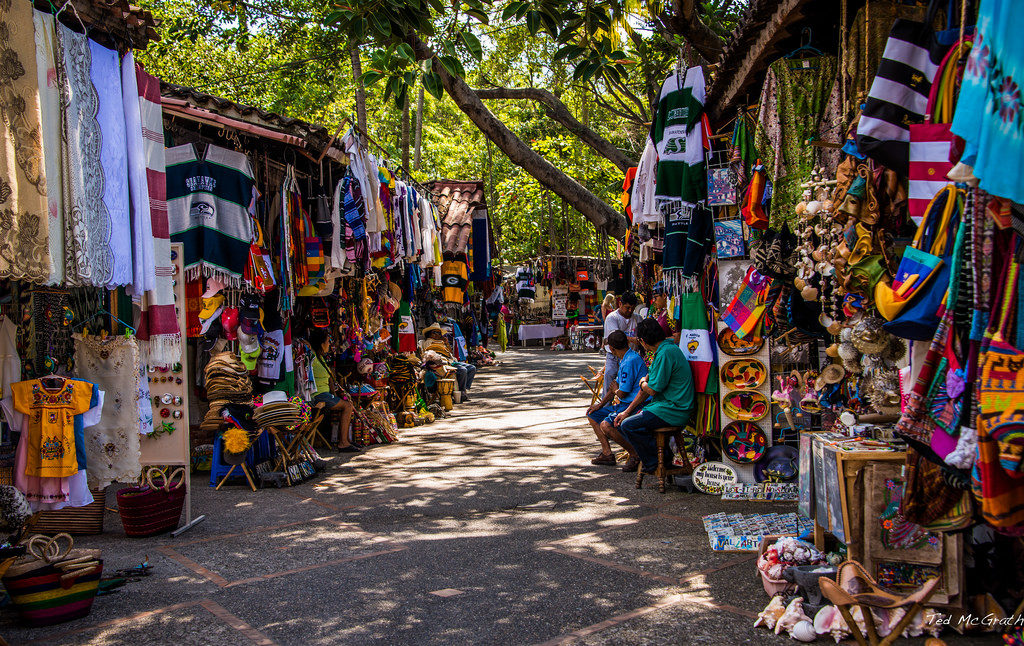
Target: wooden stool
point(663, 471)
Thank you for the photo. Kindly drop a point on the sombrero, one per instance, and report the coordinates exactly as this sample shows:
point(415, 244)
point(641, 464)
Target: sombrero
point(779, 462)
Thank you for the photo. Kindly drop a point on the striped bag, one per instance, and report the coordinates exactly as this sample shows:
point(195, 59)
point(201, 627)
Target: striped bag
point(899, 93)
point(53, 583)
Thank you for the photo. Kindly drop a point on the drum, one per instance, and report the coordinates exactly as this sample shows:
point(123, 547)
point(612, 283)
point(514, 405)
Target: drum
point(445, 389)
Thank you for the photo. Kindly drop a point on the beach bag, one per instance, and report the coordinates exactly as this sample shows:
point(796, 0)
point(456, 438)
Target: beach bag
point(998, 475)
point(748, 306)
point(899, 93)
point(930, 141)
point(925, 262)
point(53, 583)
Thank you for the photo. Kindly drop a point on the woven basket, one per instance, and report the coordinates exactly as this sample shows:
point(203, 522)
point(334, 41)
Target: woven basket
point(79, 521)
point(155, 507)
point(53, 584)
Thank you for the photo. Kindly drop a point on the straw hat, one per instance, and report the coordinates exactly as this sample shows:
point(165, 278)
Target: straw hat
point(432, 328)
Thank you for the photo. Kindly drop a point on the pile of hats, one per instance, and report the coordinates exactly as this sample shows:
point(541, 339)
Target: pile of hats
point(227, 381)
point(250, 330)
point(277, 410)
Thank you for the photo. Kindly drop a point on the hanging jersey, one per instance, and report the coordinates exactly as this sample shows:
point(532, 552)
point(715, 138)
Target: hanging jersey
point(678, 135)
point(454, 278)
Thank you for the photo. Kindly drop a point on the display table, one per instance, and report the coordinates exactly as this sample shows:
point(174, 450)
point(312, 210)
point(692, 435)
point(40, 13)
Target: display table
point(579, 333)
point(542, 331)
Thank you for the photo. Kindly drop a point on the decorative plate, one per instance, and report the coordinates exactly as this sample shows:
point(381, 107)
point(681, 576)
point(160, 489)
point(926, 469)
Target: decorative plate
point(745, 405)
point(734, 346)
point(744, 442)
point(711, 477)
point(743, 373)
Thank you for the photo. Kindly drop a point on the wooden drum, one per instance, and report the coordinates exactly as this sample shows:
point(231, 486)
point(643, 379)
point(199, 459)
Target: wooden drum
point(445, 389)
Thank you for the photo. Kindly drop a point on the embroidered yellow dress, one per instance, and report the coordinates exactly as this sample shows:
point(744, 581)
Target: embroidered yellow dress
point(51, 428)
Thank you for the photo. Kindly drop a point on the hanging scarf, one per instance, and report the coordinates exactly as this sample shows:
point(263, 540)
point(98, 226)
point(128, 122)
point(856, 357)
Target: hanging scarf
point(689, 232)
point(158, 327)
point(50, 112)
point(87, 227)
point(24, 248)
point(105, 72)
point(143, 259)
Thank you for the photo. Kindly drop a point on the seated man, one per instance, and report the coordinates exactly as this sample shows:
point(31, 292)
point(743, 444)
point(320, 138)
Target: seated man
point(464, 372)
point(670, 386)
point(601, 414)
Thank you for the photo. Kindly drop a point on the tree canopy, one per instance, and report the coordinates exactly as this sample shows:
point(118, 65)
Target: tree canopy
point(568, 88)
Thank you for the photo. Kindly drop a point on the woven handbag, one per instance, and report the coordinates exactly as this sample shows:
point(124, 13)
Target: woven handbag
point(153, 507)
point(53, 583)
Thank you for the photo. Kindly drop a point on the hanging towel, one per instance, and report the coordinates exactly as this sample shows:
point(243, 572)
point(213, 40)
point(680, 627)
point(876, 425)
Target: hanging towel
point(105, 72)
point(210, 200)
point(143, 259)
point(24, 248)
point(158, 328)
point(50, 113)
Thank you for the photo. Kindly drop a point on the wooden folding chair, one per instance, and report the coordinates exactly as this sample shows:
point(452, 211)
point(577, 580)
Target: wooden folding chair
point(855, 587)
point(595, 383)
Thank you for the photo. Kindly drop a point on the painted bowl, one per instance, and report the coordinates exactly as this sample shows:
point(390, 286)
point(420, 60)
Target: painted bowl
point(734, 346)
point(743, 373)
point(745, 405)
point(744, 442)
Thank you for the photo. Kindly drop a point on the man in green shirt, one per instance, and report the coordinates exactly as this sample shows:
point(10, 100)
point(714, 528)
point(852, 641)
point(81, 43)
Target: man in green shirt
point(669, 384)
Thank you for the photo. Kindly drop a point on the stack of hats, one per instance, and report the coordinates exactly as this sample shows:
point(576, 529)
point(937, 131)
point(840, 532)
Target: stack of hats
point(277, 410)
point(227, 381)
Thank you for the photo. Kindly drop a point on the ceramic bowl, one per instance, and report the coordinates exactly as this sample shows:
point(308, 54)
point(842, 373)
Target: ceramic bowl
point(743, 373)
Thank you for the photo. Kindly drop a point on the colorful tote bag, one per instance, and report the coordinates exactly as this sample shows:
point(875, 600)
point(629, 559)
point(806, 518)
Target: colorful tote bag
point(998, 473)
point(748, 306)
point(759, 193)
point(930, 141)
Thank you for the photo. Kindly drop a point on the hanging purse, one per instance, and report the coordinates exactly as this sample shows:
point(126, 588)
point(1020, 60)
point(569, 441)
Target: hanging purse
point(930, 141)
point(747, 307)
point(758, 193)
point(918, 268)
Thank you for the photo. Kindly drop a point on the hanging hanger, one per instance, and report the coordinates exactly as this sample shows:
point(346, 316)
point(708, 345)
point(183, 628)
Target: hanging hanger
point(101, 311)
point(805, 48)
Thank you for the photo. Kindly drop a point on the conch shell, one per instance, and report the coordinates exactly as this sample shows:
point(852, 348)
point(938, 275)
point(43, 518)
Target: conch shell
point(793, 615)
point(771, 613)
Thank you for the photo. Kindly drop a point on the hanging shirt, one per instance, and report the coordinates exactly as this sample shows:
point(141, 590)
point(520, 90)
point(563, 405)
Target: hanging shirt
point(678, 134)
point(210, 202)
point(51, 448)
point(642, 195)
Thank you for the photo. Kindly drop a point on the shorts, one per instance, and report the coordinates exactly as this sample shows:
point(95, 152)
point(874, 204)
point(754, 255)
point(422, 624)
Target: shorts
point(607, 413)
point(329, 400)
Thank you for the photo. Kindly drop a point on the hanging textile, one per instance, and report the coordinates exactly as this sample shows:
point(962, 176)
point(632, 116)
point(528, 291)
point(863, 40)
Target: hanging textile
point(88, 260)
point(679, 135)
point(689, 234)
point(990, 113)
point(338, 259)
point(24, 219)
point(481, 246)
point(641, 199)
point(799, 102)
point(51, 410)
point(210, 202)
point(112, 445)
point(454, 278)
point(105, 72)
point(695, 340)
point(158, 327)
point(403, 332)
point(143, 258)
point(51, 116)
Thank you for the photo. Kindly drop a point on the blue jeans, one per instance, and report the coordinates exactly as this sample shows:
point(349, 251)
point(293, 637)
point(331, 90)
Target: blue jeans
point(639, 430)
point(464, 373)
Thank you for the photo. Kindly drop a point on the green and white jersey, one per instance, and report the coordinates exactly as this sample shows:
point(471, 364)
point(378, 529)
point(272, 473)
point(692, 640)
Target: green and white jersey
point(678, 135)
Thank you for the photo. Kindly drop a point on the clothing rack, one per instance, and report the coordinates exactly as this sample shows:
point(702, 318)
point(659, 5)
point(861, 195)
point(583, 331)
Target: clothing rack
point(406, 173)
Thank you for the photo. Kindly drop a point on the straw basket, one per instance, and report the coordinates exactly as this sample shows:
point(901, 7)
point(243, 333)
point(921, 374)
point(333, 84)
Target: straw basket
point(152, 508)
point(53, 583)
point(73, 520)
point(445, 389)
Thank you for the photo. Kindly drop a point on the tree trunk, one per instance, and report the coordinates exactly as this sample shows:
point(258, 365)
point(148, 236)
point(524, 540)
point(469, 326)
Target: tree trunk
point(419, 130)
point(405, 145)
point(557, 111)
point(592, 207)
point(357, 71)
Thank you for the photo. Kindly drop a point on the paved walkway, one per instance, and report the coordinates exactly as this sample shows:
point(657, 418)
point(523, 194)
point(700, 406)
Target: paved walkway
point(490, 527)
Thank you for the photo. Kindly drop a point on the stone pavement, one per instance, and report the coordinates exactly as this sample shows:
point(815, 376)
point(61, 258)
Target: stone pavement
point(488, 527)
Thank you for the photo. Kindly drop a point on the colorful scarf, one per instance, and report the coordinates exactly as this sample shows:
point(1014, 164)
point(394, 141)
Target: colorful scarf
point(158, 328)
point(24, 246)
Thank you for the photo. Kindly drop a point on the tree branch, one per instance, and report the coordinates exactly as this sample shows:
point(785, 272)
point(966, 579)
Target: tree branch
point(557, 110)
point(685, 21)
point(604, 217)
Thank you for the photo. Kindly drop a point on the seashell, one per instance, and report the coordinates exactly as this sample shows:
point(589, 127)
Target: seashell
point(771, 613)
point(825, 319)
point(823, 619)
point(819, 230)
point(813, 207)
point(793, 615)
point(809, 293)
point(835, 328)
point(847, 335)
point(801, 208)
point(799, 283)
point(832, 350)
point(818, 255)
point(803, 631)
point(827, 269)
point(828, 205)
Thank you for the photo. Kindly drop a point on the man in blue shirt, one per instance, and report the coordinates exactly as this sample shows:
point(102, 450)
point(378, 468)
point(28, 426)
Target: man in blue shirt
point(601, 415)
